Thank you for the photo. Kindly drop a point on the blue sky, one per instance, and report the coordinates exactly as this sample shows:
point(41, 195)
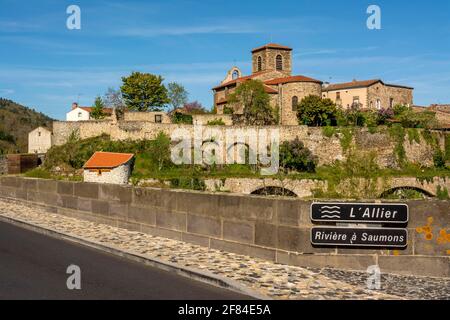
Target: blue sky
point(45, 66)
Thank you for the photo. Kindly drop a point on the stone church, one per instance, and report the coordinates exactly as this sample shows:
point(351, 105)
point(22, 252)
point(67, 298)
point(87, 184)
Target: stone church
point(272, 64)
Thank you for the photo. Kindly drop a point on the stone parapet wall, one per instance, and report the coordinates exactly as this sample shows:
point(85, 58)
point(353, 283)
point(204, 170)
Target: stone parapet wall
point(275, 229)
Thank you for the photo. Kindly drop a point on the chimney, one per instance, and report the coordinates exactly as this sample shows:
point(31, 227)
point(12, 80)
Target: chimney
point(74, 105)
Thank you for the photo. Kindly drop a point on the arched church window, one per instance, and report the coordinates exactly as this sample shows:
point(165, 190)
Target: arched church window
point(235, 75)
point(259, 63)
point(279, 62)
point(294, 103)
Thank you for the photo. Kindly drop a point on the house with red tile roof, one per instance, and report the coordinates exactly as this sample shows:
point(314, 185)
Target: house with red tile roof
point(368, 94)
point(108, 167)
point(84, 113)
point(271, 64)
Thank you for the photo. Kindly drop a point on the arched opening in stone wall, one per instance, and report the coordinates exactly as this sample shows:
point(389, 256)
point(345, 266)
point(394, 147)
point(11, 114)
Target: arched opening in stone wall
point(274, 191)
point(259, 67)
point(279, 62)
point(406, 193)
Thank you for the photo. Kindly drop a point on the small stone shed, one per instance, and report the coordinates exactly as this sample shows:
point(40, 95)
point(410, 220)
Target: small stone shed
point(108, 167)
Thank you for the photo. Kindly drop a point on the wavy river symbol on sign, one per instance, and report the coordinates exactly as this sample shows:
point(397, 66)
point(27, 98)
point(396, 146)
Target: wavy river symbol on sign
point(330, 212)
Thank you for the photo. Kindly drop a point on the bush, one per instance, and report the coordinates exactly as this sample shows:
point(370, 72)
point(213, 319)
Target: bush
point(315, 111)
point(328, 131)
point(74, 154)
point(439, 159)
point(216, 122)
point(295, 156)
point(423, 120)
point(180, 118)
point(442, 193)
point(384, 115)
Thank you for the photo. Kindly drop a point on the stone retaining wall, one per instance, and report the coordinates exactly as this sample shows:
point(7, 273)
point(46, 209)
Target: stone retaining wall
point(275, 229)
point(327, 149)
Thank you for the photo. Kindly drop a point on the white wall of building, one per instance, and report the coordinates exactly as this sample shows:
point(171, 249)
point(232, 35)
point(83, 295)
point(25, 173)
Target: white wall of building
point(119, 175)
point(39, 140)
point(78, 114)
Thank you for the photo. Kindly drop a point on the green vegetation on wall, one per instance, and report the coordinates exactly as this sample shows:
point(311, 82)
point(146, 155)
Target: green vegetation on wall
point(397, 133)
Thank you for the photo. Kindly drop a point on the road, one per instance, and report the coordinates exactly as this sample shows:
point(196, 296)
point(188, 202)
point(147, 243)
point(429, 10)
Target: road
point(33, 266)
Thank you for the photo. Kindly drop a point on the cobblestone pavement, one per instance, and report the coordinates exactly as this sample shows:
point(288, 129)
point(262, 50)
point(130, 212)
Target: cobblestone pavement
point(270, 279)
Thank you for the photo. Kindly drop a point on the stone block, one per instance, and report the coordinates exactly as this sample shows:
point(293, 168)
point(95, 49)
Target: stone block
point(288, 212)
point(266, 235)
point(86, 190)
point(65, 187)
point(146, 197)
point(239, 231)
point(112, 192)
point(204, 226)
point(145, 215)
point(84, 205)
point(13, 182)
point(100, 207)
point(67, 201)
point(50, 186)
point(29, 184)
point(172, 221)
point(118, 210)
point(198, 203)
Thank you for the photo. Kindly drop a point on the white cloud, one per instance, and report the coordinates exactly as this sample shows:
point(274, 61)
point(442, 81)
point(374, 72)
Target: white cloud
point(6, 91)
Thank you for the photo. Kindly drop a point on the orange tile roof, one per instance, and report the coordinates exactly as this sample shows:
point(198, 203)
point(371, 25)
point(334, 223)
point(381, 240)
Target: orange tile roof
point(350, 85)
point(269, 89)
point(272, 46)
point(291, 79)
point(241, 79)
point(107, 160)
point(360, 84)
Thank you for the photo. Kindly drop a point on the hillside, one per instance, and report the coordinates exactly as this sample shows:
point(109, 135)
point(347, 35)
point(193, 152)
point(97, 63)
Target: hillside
point(16, 121)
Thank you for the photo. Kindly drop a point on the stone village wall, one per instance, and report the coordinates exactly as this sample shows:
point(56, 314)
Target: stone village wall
point(275, 229)
point(326, 149)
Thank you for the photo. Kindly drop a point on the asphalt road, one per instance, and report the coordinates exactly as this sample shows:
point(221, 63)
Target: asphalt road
point(33, 266)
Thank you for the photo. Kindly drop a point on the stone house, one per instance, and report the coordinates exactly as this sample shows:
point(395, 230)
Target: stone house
point(271, 64)
point(108, 167)
point(368, 94)
point(39, 140)
point(151, 116)
point(84, 113)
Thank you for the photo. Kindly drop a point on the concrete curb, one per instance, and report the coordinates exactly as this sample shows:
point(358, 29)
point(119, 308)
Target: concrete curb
point(187, 272)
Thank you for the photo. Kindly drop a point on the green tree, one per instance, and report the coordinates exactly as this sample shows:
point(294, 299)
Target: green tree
point(255, 101)
point(144, 92)
point(315, 111)
point(177, 94)
point(159, 151)
point(295, 156)
point(98, 109)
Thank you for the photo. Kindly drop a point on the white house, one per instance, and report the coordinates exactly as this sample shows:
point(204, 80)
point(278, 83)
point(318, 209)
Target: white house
point(39, 140)
point(83, 113)
point(108, 167)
